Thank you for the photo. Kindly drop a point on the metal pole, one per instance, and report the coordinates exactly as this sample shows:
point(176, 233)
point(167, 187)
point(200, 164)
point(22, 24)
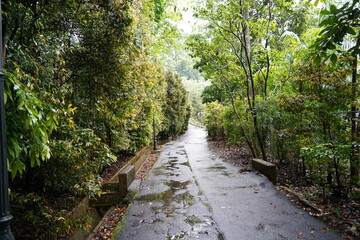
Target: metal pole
point(5, 217)
point(154, 132)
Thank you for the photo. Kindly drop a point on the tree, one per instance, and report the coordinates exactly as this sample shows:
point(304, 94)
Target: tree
point(341, 25)
point(177, 109)
point(213, 120)
point(238, 52)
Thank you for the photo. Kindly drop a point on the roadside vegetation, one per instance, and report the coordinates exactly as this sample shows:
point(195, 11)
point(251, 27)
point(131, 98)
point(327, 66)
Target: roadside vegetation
point(84, 84)
point(284, 86)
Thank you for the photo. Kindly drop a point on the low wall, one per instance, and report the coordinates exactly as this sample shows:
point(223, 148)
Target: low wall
point(138, 160)
point(266, 168)
point(94, 216)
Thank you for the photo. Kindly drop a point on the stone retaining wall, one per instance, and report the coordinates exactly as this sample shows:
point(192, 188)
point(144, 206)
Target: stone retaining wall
point(266, 168)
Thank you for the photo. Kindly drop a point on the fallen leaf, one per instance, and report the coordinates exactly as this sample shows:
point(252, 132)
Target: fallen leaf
point(299, 234)
point(262, 216)
point(325, 229)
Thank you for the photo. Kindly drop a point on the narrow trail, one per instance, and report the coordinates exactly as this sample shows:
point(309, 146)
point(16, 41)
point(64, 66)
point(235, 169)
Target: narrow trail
point(192, 194)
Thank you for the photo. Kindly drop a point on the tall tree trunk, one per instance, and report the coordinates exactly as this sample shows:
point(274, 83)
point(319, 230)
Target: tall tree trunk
point(354, 156)
point(251, 95)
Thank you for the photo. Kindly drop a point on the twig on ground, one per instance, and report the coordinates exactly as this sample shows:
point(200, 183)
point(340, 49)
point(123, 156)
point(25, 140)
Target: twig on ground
point(302, 200)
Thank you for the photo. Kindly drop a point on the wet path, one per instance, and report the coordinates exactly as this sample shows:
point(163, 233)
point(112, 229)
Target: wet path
point(192, 194)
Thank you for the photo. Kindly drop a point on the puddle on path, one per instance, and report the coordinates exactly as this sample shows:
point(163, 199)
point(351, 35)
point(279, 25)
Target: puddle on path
point(178, 236)
point(182, 153)
point(158, 221)
point(177, 185)
point(221, 236)
point(171, 198)
point(193, 220)
point(218, 167)
point(225, 174)
point(157, 196)
point(186, 164)
point(170, 165)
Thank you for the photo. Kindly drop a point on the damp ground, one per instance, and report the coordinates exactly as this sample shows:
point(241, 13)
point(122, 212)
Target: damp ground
point(192, 194)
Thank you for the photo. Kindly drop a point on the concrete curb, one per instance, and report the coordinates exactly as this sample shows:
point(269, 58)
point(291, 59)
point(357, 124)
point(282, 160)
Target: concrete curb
point(84, 207)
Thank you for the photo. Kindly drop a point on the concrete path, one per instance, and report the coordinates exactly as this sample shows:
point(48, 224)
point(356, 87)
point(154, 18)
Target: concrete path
point(192, 194)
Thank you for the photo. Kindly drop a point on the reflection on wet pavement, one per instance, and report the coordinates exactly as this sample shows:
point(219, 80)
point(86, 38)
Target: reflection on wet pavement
point(192, 194)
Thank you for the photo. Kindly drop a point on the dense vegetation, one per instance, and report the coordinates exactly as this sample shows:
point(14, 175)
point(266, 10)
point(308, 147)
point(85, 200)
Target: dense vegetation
point(83, 87)
point(284, 84)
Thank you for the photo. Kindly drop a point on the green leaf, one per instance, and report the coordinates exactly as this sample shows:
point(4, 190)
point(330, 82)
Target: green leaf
point(323, 54)
point(330, 45)
point(317, 60)
point(324, 11)
point(21, 103)
point(333, 8)
point(17, 167)
point(333, 58)
point(350, 30)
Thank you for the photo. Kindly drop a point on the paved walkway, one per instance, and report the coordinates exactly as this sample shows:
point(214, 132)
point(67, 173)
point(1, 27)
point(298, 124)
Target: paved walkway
point(192, 194)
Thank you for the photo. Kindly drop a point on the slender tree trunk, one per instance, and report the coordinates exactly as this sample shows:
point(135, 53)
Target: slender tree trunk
point(354, 156)
point(251, 94)
point(338, 192)
point(258, 134)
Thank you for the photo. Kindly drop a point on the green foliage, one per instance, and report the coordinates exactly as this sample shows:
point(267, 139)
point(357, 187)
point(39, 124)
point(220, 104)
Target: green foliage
point(184, 66)
point(195, 89)
point(276, 99)
point(159, 9)
point(32, 121)
point(234, 128)
point(76, 163)
point(213, 119)
point(238, 52)
point(37, 213)
point(328, 160)
point(83, 86)
point(177, 109)
point(338, 24)
point(212, 93)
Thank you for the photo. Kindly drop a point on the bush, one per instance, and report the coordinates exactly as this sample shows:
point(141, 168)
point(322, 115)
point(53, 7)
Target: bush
point(76, 162)
point(327, 161)
point(213, 119)
point(177, 109)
